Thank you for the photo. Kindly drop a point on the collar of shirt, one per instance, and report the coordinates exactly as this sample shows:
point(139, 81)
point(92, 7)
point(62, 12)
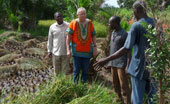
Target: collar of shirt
point(118, 33)
point(60, 25)
point(79, 20)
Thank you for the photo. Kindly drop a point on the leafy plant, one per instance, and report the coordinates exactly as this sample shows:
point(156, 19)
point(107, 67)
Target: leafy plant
point(105, 13)
point(91, 7)
point(125, 25)
point(100, 29)
point(159, 59)
point(14, 20)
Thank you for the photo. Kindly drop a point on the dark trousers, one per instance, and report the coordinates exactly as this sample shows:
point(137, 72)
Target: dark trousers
point(83, 64)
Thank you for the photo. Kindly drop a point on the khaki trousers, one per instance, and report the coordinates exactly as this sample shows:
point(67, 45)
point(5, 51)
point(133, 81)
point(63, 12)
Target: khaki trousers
point(60, 64)
point(121, 85)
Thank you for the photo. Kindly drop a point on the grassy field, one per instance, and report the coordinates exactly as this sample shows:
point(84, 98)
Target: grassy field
point(43, 27)
point(62, 90)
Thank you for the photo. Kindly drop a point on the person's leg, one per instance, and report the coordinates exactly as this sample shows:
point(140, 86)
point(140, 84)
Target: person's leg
point(64, 64)
point(138, 90)
point(76, 66)
point(85, 67)
point(124, 85)
point(116, 84)
point(56, 64)
point(151, 91)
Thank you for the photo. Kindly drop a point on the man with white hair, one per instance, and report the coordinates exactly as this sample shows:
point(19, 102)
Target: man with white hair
point(81, 34)
point(136, 40)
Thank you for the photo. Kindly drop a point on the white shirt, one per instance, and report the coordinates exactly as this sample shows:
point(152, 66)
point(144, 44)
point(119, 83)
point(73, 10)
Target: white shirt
point(57, 39)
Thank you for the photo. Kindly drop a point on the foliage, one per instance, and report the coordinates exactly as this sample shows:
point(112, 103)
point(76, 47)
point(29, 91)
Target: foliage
point(125, 25)
point(100, 29)
point(160, 50)
point(165, 15)
point(7, 14)
point(91, 7)
point(126, 14)
point(62, 90)
point(158, 58)
point(157, 3)
point(105, 13)
point(30, 11)
point(14, 21)
point(126, 3)
point(53, 6)
point(42, 28)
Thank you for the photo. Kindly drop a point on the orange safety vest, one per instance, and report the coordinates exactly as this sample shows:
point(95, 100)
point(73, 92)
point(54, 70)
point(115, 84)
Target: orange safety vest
point(82, 45)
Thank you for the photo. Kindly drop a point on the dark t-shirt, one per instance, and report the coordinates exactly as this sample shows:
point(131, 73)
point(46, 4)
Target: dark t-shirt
point(117, 41)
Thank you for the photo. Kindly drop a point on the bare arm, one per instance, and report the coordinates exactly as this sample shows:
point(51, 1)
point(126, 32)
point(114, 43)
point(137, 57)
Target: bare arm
point(128, 60)
point(50, 43)
point(94, 40)
point(116, 55)
point(94, 47)
point(68, 39)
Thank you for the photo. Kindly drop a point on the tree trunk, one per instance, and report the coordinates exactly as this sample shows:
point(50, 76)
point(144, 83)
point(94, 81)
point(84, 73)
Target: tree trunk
point(15, 26)
point(161, 93)
point(29, 23)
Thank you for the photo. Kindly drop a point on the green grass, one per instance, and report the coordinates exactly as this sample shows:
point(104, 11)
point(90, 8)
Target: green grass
point(42, 28)
point(62, 90)
point(100, 29)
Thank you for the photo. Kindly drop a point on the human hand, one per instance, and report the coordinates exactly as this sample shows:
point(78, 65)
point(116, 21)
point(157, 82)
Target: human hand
point(108, 67)
point(69, 54)
point(50, 54)
point(126, 69)
point(99, 64)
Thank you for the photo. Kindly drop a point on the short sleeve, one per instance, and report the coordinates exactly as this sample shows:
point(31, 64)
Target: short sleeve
point(130, 41)
point(124, 37)
point(93, 30)
point(70, 28)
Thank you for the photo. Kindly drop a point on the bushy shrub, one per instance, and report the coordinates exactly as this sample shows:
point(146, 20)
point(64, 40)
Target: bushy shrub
point(105, 13)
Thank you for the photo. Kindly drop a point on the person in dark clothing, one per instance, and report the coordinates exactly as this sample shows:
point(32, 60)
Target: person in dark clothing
point(118, 66)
